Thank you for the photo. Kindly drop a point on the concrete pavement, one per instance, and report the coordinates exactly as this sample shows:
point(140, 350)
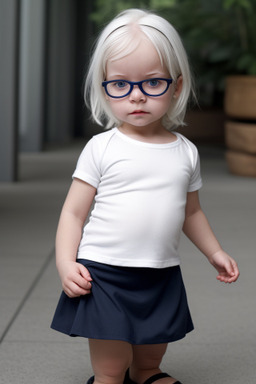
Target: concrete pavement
point(222, 349)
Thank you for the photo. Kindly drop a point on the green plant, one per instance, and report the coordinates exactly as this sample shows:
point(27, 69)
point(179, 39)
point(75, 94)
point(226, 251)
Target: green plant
point(244, 12)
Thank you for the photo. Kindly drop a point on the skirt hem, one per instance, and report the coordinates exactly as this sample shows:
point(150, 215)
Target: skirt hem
point(127, 340)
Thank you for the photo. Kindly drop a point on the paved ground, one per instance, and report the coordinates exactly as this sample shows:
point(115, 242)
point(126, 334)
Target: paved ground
point(222, 349)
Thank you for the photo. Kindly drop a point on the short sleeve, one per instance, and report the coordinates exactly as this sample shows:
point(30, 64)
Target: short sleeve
point(88, 165)
point(196, 179)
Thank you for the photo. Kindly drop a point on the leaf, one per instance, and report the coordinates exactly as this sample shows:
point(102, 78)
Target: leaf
point(158, 4)
point(219, 55)
point(243, 4)
point(247, 63)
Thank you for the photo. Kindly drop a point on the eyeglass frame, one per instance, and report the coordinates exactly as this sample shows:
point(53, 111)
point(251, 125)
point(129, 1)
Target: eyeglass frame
point(139, 83)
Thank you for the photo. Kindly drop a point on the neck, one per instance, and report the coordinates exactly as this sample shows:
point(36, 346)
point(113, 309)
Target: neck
point(152, 134)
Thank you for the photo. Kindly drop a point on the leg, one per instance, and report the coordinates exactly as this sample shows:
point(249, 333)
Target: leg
point(110, 360)
point(146, 363)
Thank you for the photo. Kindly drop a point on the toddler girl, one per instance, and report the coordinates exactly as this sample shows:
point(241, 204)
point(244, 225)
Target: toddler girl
point(120, 273)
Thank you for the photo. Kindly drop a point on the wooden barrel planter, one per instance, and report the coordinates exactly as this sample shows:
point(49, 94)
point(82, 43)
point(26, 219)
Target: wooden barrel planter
point(240, 129)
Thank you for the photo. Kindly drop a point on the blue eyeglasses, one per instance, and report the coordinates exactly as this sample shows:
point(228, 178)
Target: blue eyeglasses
point(150, 87)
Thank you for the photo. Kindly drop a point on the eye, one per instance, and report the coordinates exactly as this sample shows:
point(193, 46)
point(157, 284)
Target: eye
point(120, 84)
point(153, 83)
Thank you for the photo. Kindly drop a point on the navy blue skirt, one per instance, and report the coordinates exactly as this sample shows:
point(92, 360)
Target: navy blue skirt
point(136, 305)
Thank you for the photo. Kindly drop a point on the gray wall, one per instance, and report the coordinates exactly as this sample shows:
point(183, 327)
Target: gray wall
point(40, 40)
point(31, 74)
point(9, 16)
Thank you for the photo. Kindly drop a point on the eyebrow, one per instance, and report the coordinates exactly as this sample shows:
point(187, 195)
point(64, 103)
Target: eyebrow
point(145, 77)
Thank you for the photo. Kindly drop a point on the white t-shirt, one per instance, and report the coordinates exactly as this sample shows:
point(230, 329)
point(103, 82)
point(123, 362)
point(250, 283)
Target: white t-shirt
point(140, 202)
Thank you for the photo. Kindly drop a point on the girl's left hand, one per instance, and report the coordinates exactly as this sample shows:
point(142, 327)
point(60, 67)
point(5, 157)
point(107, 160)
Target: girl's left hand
point(226, 266)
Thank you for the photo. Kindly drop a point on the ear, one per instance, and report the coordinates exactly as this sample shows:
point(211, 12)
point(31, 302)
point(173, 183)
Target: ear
point(178, 87)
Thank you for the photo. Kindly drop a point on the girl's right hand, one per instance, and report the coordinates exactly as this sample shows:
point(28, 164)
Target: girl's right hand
point(75, 278)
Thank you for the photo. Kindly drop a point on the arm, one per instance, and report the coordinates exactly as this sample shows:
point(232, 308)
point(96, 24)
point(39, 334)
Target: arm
point(74, 276)
point(196, 227)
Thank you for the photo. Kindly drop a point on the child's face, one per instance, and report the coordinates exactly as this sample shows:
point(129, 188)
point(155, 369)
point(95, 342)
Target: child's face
point(138, 109)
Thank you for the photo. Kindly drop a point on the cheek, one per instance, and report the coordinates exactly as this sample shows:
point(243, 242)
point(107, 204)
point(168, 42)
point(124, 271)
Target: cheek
point(164, 104)
point(116, 107)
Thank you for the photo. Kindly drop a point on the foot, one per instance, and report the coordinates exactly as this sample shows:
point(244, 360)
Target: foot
point(159, 378)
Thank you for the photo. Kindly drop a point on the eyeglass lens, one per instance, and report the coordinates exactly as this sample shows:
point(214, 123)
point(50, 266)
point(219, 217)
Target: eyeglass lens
point(153, 87)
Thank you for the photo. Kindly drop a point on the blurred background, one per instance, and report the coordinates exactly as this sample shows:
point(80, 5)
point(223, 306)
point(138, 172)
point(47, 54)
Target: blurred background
point(46, 46)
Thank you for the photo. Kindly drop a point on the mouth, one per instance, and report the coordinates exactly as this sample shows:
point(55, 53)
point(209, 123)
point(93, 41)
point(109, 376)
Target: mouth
point(138, 112)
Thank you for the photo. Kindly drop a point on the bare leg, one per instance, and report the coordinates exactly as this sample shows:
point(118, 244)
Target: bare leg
point(146, 363)
point(110, 360)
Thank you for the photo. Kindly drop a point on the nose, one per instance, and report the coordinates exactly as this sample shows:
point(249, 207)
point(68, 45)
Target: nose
point(136, 94)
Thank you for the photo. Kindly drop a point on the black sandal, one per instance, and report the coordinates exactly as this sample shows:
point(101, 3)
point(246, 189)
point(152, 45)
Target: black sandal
point(158, 376)
point(150, 380)
point(127, 379)
point(91, 380)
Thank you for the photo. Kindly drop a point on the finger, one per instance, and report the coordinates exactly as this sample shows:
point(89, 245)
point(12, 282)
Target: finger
point(85, 273)
point(75, 291)
point(224, 279)
point(82, 282)
point(233, 272)
point(233, 278)
point(236, 270)
point(227, 278)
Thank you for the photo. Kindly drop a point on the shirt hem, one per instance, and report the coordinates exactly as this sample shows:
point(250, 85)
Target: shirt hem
point(138, 263)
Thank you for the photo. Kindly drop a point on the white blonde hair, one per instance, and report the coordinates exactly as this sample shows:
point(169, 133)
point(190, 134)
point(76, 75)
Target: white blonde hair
point(116, 41)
